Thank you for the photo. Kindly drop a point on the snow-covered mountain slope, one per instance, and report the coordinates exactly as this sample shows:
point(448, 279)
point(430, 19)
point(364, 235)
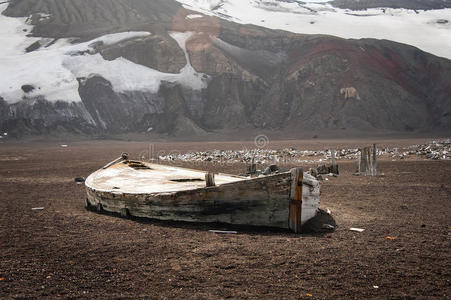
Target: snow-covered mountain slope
point(51, 71)
point(429, 30)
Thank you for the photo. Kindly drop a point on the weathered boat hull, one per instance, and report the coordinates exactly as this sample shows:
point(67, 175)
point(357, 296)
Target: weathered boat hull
point(262, 201)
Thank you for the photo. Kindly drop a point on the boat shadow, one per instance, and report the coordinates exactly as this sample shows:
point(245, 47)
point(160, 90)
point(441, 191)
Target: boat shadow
point(217, 227)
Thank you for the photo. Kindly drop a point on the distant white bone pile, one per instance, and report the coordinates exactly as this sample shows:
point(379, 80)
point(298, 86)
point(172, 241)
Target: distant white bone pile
point(437, 150)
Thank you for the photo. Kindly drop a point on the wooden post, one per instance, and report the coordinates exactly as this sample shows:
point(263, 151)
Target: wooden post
point(374, 173)
point(297, 176)
point(334, 162)
point(152, 153)
point(333, 159)
point(359, 161)
point(367, 161)
point(210, 179)
point(252, 169)
point(364, 161)
point(149, 157)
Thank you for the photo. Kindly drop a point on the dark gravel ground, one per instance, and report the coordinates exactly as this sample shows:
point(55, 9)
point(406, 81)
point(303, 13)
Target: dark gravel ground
point(67, 251)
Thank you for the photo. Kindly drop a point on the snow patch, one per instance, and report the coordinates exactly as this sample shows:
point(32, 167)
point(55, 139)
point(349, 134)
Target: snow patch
point(194, 16)
point(188, 76)
point(43, 16)
point(204, 4)
point(13, 33)
point(53, 71)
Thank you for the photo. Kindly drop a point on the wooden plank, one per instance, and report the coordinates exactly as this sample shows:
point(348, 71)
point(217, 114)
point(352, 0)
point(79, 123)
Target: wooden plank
point(295, 215)
point(310, 198)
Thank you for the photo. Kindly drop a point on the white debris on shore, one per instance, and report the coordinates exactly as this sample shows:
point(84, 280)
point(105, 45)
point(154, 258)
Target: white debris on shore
point(433, 150)
point(259, 156)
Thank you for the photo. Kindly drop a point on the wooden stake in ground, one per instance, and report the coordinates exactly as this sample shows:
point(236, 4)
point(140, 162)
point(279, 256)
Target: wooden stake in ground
point(374, 160)
point(210, 179)
point(297, 176)
point(367, 161)
point(334, 162)
point(333, 159)
point(359, 161)
point(252, 168)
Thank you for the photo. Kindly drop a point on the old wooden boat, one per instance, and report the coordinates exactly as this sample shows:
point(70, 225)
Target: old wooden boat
point(142, 189)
